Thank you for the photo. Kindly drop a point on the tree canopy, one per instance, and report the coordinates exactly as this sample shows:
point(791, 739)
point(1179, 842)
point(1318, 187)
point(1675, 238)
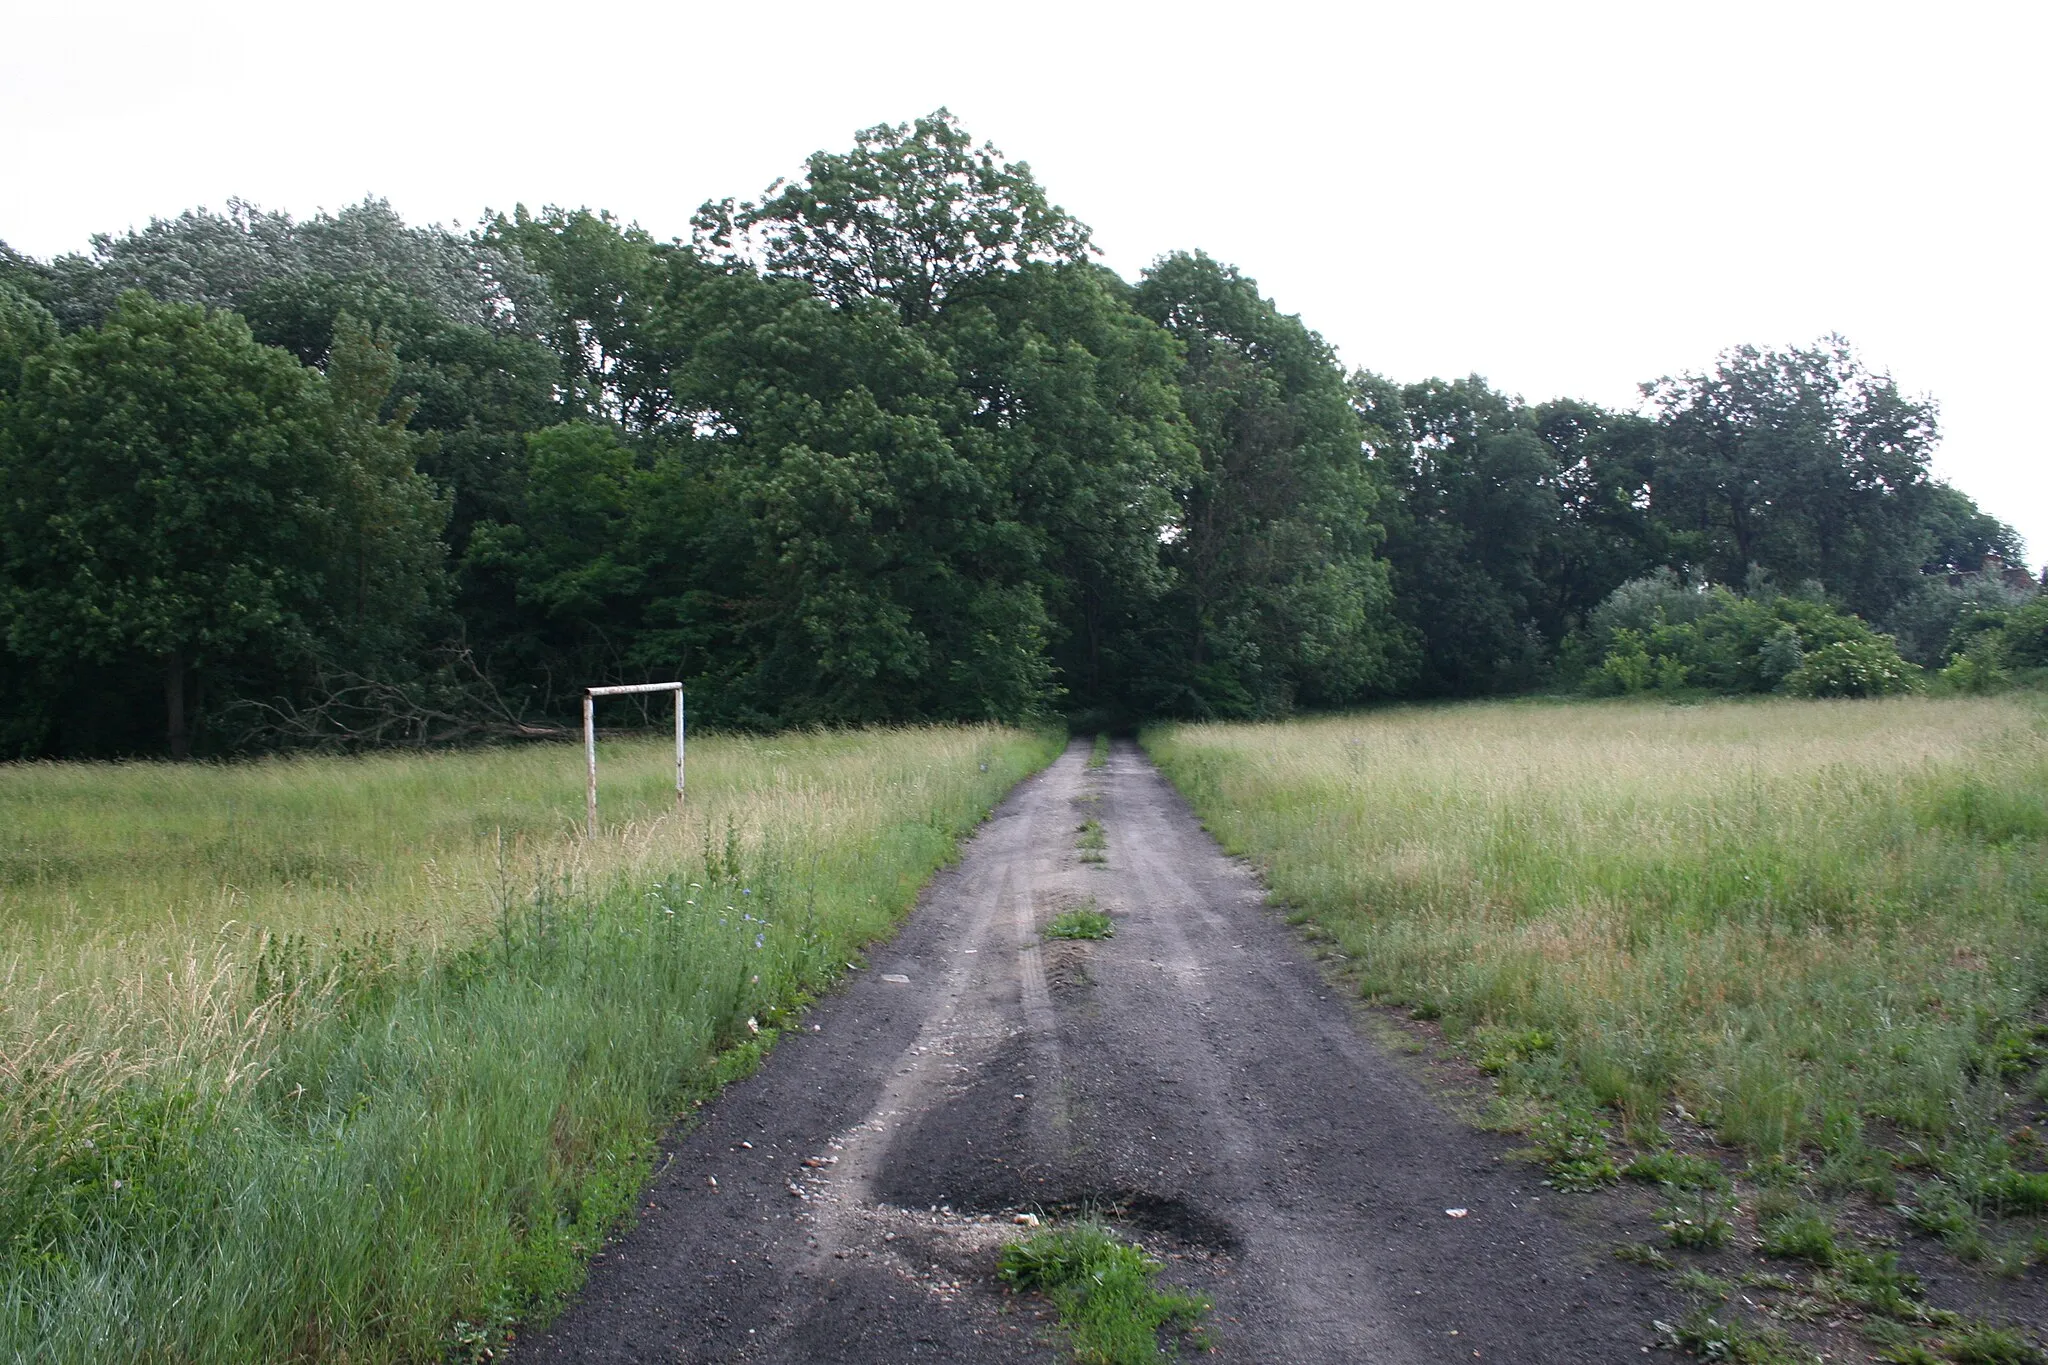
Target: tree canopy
point(176, 494)
point(884, 443)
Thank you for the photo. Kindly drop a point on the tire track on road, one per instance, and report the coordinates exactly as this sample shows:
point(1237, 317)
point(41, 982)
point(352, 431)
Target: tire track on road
point(1193, 1075)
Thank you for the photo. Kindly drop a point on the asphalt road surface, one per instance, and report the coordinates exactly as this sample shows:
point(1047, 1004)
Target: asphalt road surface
point(1193, 1079)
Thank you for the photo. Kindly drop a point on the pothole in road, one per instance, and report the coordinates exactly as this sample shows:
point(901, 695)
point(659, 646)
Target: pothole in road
point(948, 1249)
point(1157, 1215)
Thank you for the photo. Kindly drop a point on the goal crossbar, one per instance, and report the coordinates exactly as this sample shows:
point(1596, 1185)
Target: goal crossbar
point(590, 696)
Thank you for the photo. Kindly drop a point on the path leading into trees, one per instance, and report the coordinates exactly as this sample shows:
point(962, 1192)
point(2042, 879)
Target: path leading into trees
point(1193, 1075)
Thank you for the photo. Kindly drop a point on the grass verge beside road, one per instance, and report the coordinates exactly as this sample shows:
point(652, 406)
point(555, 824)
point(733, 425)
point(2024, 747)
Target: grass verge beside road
point(381, 1111)
point(1818, 929)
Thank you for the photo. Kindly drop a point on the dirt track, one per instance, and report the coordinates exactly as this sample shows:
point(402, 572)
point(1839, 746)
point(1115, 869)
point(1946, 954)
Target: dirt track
point(1193, 1073)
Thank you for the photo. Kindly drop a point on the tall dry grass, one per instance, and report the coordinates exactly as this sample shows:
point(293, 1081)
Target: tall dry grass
point(356, 1059)
point(1812, 923)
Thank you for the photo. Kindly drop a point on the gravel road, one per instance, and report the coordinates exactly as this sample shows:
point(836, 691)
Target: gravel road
point(1193, 1077)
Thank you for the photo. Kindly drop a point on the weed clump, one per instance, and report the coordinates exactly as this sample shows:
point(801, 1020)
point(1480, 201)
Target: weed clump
point(1994, 1346)
point(1642, 1254)
point(1573, 1148)
point(1701, 1333)
point(1698, 1223)
point(1677, 1170)
point(1082, 922)
point(1799, 1234)
point(1106, 1292)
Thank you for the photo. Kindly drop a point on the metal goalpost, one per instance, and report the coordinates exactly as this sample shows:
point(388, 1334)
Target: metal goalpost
point(590, 696)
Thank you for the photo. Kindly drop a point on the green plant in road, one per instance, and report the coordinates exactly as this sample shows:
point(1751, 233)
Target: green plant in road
point(1993, 1346)
point(1701, 1333)
point(1698, 1222)
point(1573, 1148)
point(1085, 921)
point(1106, 1291)
point(1098, 757)
point(1675, 1169)
point(1642, 1254)
point(1093, 842)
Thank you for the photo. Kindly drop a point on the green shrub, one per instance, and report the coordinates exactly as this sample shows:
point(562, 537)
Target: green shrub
point(2024, 635)
point(1626, 669)
point(1979, 670)
point(1657, 634)
point(1780, 657)
point(1852, 668)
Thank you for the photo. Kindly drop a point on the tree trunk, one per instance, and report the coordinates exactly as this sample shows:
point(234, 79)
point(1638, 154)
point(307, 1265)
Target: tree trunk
point(174, 703)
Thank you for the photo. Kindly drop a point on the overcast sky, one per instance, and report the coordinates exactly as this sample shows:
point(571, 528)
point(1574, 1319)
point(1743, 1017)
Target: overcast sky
point(1567, 199)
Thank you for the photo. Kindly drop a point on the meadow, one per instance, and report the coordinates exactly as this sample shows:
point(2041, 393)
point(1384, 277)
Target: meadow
point(357, 1059)
point(1817, 930)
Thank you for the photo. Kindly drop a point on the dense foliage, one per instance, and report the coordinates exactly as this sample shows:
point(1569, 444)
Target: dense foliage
point(1659, 633)
point(884, 444)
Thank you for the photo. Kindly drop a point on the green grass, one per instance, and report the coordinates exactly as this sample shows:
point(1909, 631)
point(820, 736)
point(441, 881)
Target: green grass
point(1106, 1292)
point(1093, 843)
point(382, 1112)
point(1082, 922)
point(1702, 1333)
point(1677, 1170)
point(1642, 1254)
point(1819, 927)
point(408, 843)
point(1986, 1345)
point(1098, 757)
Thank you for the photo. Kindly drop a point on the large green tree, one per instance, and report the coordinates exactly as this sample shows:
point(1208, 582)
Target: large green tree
point(1468, 534)
point(222, 260)
point(176, 497)
point(885, 571)
point(1957, 535)
point(603, 278)
point(1800, 462)
point(1279, 595)
point(915, 214)
point(1067, 397)
point(1054, 400)
point(469, 392)
point(26, 327)
point(464, 314)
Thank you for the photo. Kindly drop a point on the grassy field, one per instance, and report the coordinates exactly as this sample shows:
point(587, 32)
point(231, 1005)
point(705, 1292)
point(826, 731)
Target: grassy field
point(1819, 928)
point(356, 1059)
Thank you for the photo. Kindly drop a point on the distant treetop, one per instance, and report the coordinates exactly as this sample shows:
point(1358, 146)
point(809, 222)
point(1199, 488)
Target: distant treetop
point(912, 214)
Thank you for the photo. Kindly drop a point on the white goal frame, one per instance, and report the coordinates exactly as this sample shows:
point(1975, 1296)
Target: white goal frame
point(590, 696)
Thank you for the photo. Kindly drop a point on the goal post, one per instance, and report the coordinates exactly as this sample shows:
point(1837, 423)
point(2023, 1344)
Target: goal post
point(590, 696)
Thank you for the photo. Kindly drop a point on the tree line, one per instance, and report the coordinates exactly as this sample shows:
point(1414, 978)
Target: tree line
point(885, 444)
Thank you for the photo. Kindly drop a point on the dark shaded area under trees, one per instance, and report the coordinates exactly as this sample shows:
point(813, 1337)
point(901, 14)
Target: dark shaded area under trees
point(885, 445)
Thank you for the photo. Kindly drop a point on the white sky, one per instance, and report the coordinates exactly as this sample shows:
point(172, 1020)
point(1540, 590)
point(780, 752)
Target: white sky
point(1567, 198)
